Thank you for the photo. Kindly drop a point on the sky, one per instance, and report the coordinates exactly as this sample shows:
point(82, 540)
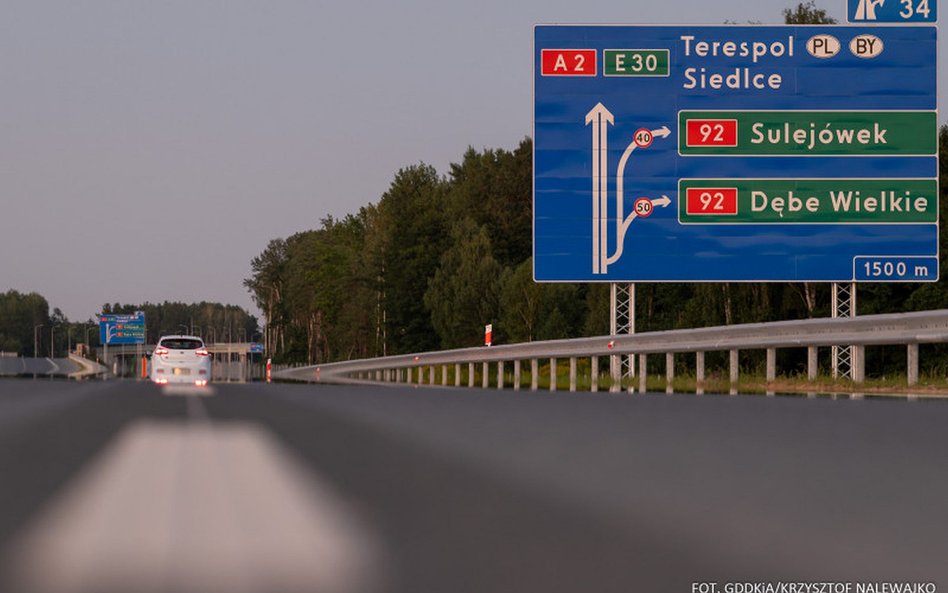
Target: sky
point(150, 149)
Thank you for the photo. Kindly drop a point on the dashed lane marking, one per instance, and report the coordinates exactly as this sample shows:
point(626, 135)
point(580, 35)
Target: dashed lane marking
point(196, 507)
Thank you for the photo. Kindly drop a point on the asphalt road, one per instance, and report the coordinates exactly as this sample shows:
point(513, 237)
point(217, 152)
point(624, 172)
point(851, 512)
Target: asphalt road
point(118, 487)
point(36, 366)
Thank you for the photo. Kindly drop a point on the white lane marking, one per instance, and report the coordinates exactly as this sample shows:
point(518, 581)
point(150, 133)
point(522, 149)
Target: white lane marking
point(186, 389)
point(196, 508)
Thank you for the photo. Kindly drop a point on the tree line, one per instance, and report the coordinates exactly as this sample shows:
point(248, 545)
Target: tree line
point(214, 322)
point(439, 256)
point(28, 328)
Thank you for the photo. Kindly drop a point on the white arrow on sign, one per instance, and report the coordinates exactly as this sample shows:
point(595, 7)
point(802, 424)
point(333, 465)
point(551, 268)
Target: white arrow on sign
point(600, 117)
point(623, 227)
point(622, 224)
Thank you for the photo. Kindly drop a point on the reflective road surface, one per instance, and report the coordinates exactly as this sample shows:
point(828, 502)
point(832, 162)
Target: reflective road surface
point(123, 487)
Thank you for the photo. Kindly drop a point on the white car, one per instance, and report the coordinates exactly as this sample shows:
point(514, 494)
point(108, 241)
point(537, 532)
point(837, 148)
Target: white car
point(181, 359)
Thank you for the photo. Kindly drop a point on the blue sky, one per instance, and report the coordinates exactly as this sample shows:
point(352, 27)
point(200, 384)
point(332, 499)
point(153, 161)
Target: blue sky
point(150, 149)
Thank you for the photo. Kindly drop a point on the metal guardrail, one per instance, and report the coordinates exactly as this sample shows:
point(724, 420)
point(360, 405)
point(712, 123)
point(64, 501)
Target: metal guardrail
point(909, 329)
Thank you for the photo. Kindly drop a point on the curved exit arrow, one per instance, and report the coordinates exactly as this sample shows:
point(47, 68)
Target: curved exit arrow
point(663, 201)
point(622, 224)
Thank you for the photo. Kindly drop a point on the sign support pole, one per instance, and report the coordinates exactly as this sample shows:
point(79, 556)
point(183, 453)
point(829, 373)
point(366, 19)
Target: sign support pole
point(622, 322)
point(844, 305)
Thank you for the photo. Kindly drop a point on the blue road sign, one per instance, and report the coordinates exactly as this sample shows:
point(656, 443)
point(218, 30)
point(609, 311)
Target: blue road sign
point(892, 11)
point(735, 153)
point(122, 329)
point(256, 348)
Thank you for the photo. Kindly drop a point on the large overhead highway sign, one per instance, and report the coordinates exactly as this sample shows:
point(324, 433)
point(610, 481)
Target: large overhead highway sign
point(735, 153)
point(122, 329)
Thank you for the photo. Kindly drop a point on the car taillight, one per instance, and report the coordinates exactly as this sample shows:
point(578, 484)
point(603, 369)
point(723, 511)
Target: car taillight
point(201, 352)
point(161, 351)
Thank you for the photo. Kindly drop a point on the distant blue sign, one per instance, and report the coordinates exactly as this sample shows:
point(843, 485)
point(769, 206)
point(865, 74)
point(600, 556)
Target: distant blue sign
point(735, 153)
point(256, 348)
point(122, 329)
point(892, 11)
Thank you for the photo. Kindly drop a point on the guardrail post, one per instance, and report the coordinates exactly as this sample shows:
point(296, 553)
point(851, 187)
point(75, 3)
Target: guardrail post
point(572, 374)
point(517, 375)
point(859, 364)
point(457, 374)
point(699, 372)
point(811, 363)
point(444, 375)
point(534, 374)
point(912, 364)
point(552, 374)
point(500, 374)
point(669, 372)
point(594, 374)
point(485, 375)
point(470, 374)
point(643, 373)
point(771, 369)
point(615, 373)
point(734, 371)
point(431, 375)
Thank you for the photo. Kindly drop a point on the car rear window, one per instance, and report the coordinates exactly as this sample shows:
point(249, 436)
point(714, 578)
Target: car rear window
point(181, 344)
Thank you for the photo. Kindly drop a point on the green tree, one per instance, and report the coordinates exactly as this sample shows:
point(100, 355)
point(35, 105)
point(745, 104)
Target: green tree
point(19, 315)
point(521, 303)
point(533, 311)
point(267, 286)
point(415, 228)
point(806, 13)
point(494, 188)
point(463, 295)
